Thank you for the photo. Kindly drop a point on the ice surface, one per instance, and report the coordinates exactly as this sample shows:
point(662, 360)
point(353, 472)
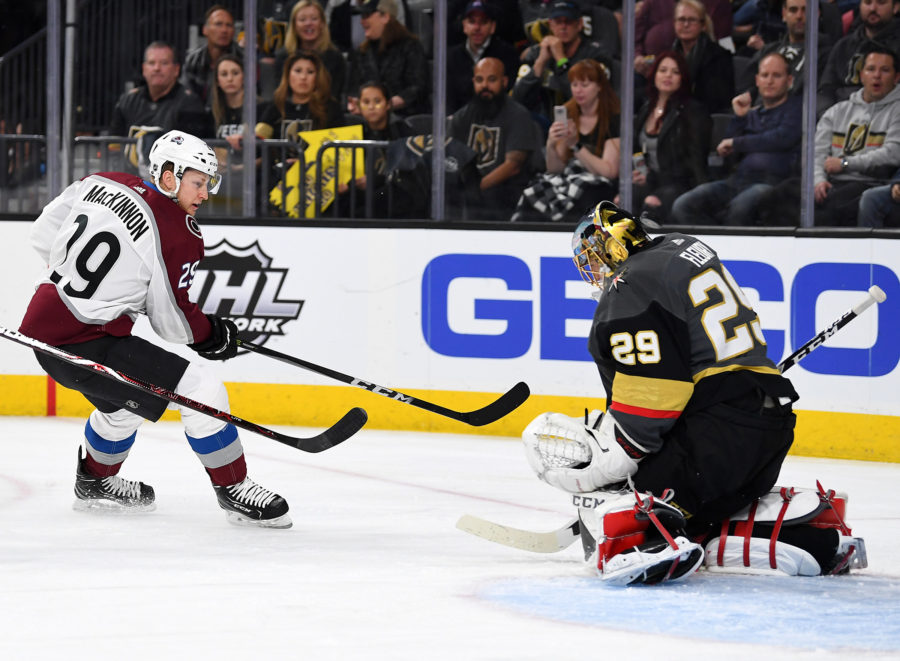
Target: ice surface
point(374, 567)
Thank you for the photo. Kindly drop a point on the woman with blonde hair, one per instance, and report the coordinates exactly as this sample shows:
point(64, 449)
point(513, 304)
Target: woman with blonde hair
point(582, 156)
point(709, 65)
point(308, 31)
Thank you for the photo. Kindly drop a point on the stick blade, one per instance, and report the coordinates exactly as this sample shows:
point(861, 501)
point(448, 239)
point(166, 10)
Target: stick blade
point(525, 540)
point(339, 432)
point(506, 404)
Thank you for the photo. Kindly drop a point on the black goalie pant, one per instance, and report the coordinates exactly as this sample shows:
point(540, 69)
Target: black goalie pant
point(131, 355)
point(719, 459)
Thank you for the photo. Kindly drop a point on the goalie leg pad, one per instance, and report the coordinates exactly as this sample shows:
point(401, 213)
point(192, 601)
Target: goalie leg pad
point(798, 532)
point(633, 538)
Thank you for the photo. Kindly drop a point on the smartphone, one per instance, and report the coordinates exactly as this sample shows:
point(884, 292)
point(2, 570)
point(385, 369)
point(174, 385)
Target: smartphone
point(559, 114)
point(639, 163)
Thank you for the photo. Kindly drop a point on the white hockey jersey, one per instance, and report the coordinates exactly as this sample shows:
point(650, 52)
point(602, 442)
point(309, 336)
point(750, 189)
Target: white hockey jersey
point(115, 248)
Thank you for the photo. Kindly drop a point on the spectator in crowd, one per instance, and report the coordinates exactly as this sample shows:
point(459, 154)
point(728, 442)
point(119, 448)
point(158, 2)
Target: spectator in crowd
point(766, 138)
point(709, 65)
point(601, 21)
point(858, 141)
point(671, 139)
point(543, 81)
point(582, 155)
point(378, 123)
point(654, 30)
point(218, 28)
point(159, 105)
point(510, 29)
point(841, 77)
point(302, 101)
point(392, 55)
point(227, 105)
point(308, 31)
point(880, 206)
point(479, 24)
point(792, 45)
point(503, 136)
point(757, 22)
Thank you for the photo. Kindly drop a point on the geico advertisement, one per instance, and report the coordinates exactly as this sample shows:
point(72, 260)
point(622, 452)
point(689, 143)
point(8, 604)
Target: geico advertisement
point(481, 310)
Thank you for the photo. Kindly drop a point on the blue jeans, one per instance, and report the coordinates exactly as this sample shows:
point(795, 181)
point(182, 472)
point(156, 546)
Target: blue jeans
point(721, 202)
point(878, 209)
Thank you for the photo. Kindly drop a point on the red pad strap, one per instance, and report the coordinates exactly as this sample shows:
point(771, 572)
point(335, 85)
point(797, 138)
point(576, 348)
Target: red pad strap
point(646, 506)
point(786, 495)
point(723, 535)
point(827, 497)
point(747, 531)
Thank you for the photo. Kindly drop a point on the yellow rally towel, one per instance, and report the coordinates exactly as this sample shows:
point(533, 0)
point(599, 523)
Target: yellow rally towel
point(341, 169)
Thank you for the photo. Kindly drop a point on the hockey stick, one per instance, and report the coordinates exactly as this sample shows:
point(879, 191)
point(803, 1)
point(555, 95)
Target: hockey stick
point(537, 542)
point(562, 538)
point(507, 402)
point(339, 432)
point(875, 295)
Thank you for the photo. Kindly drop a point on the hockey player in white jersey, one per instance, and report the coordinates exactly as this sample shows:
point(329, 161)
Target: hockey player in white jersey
point(116, 247)
point(682, 465)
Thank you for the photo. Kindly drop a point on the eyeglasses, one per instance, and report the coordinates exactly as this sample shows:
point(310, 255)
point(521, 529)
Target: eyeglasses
point(687, 20)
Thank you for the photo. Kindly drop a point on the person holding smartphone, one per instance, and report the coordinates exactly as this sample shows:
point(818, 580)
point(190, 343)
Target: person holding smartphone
point(582, 152)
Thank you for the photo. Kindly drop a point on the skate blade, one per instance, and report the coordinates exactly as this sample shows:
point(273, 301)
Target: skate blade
point(282, 522)
point(98, 506)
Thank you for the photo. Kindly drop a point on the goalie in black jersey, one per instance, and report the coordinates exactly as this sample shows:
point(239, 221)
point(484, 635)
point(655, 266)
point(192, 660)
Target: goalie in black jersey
point(682, 464)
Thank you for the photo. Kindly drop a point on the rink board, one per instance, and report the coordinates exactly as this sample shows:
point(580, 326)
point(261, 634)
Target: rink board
point(459, 316)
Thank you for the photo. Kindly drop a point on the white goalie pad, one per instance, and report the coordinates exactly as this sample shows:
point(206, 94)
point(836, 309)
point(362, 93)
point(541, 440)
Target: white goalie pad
point(803, 506)
point(569, 455)
point(664, 564)
point(789, 560)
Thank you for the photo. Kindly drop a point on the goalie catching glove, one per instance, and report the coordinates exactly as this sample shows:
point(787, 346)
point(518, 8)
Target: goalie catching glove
point(222, 341)
point(580, 455)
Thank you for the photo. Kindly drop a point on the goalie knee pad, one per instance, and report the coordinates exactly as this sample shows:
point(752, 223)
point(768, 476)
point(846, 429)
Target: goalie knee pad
point(798, 532)
point(633, 538)
point(580, 455)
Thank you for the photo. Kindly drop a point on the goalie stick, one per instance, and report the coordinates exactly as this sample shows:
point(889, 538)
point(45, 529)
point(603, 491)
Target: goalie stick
point(563, 538)
point(497, 409)
point(875, 295)
point(339, 432)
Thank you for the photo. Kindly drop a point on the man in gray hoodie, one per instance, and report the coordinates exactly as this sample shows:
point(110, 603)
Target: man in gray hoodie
point(858, 141)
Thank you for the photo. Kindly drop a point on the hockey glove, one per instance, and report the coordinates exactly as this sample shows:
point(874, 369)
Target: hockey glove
point(576, 457)
point(222, 341)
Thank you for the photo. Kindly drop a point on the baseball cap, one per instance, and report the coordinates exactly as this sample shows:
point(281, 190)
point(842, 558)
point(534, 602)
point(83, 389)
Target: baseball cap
point(479, 5)
point(384, 6)
point(565, 9)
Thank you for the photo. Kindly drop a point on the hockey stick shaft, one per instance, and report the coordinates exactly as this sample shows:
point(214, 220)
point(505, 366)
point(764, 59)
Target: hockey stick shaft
point(526, 540)
point(875, 295)
point(343, 429)
point(500, 407)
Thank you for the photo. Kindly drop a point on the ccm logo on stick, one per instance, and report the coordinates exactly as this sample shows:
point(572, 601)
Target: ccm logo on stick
point(494, 306)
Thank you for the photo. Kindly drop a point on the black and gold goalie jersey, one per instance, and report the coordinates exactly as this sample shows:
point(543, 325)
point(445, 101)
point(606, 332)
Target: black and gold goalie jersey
point(672, 334)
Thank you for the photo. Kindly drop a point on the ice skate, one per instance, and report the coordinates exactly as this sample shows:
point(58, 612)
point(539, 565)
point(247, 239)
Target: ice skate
point(110, 493)
point(248, 504)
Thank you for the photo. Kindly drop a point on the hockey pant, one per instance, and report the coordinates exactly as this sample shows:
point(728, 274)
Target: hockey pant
point(120, 409)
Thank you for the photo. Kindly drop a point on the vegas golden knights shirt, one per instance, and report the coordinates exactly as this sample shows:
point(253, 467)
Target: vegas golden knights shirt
point(115, 248)
point(672, 334)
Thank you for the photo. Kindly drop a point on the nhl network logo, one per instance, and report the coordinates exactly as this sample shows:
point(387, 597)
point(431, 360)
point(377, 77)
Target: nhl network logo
point(240, 284)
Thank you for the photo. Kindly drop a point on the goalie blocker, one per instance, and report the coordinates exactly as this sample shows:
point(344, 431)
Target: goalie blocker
point(632, 537)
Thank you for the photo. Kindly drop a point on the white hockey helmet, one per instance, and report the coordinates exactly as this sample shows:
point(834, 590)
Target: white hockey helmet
point(184, 151)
